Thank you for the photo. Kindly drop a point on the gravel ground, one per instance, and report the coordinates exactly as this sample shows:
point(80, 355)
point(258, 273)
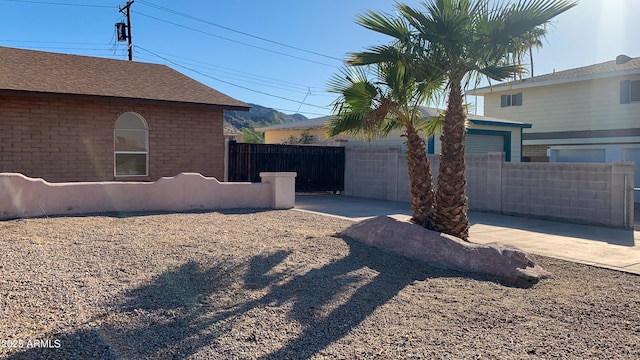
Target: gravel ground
point(281, 284)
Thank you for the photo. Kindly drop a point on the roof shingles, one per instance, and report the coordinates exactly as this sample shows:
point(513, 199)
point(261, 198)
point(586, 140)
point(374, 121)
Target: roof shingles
point(46, 72)
point(609, 68)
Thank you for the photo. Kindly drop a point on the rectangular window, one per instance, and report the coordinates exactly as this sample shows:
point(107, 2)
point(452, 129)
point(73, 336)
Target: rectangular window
point(629, 91)
point(635, 90)
point(131, 164)
point(131, 140)
point(511, 100)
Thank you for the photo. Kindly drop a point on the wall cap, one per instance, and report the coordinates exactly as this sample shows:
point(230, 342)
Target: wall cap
point(279, 174)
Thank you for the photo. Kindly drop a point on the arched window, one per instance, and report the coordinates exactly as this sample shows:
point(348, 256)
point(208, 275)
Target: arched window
point(131, 146)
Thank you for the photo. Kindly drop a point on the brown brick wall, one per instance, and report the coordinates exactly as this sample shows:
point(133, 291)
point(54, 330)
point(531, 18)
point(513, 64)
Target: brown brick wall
point(72, 140)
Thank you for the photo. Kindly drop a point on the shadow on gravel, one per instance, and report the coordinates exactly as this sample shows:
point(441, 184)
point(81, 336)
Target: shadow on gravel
point(194, 308)
point(128, 214)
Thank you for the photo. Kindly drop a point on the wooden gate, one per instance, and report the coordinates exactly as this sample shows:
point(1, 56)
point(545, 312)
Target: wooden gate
point(319, 168)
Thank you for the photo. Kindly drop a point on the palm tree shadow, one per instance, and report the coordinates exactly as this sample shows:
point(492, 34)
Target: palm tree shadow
point(394, 274)
point(162, 319)
point(313, 293)
point(197, 305)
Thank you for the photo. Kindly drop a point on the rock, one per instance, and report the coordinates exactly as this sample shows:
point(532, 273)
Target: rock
point(444, 251)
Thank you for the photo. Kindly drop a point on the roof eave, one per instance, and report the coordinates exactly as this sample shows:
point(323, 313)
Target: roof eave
point(523, 84)
point(13, 92)
point(500, 123)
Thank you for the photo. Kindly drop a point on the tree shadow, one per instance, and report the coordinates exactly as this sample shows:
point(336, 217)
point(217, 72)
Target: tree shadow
point(194, 306)
point(143, 213)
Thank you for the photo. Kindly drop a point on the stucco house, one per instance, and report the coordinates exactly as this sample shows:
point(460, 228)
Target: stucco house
point(591, 113)
point(80, 118)
point(484, 135)
point(587, 114)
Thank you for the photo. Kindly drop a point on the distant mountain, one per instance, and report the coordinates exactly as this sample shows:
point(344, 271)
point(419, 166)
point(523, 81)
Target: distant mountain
point(258, 116)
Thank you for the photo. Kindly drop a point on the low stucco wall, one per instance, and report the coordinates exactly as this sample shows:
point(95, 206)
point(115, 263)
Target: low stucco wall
point(21, 196)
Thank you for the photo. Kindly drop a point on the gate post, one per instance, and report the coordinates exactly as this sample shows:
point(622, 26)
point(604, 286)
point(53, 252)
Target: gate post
point(283, 188)
point(622, 195)
point(226, 159)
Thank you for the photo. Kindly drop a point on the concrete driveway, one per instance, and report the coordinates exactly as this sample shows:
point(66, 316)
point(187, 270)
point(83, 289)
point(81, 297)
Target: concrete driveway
point(599, 246)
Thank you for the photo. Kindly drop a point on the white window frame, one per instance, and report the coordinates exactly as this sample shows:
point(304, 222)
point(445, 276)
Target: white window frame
point(627, 95)
point(129, 152)
point(508, 100)
point(633, 96)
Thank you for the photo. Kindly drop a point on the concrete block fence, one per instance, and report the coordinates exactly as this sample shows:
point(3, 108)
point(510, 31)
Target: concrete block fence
point(599, 194)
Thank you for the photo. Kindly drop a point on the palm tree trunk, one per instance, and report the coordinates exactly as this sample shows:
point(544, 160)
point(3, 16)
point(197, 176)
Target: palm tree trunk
point(531, 59)
point(420, 178)
point(451, 201)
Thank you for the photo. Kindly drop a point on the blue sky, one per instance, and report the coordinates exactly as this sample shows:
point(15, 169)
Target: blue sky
point(237, 46)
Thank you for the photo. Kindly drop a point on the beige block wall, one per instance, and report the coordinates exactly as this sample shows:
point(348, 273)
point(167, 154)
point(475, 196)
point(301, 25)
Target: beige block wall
point(581, 193)
point(394, 139)
point(584, 105)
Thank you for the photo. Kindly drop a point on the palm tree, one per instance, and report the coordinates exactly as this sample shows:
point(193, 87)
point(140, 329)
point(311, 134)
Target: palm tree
point(466, 40)
point(533, 39)
point(373, 108)
point(524, 45)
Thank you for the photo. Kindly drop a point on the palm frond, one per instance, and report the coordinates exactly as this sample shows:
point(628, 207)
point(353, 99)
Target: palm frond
point(375, 55)
point(430, 126)
point(513, 21)
point(384, 24)
point(362, 107)
point(346, 123)
point(500, 72)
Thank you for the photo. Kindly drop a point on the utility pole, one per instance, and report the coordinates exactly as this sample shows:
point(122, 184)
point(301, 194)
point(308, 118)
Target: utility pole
point(126, 10)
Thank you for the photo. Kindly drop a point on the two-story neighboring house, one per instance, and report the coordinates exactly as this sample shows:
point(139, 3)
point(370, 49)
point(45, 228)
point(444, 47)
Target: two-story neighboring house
point(587, 114)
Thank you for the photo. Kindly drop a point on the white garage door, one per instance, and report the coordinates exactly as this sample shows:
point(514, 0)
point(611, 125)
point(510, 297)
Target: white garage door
point(580, 155)
point(480, 144)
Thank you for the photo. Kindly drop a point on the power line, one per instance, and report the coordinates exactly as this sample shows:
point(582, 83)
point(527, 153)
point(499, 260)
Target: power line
point(50, 42)
point(236, 31)
point(235, 41)
point(60, 4)
point(227, 82)
point(196, 30)
point(291, 111)
point(113, 54)
point(238, 78)
point(234, 72)
point(236, 75)
point(200, 31)
point(69, 48)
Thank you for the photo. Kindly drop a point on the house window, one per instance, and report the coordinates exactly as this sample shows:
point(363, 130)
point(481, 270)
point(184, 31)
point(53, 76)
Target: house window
point(511, 100)
point(131, 145)
point(629, 91)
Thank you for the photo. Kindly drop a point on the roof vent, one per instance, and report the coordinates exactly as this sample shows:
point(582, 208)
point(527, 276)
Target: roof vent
point(622, 59)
